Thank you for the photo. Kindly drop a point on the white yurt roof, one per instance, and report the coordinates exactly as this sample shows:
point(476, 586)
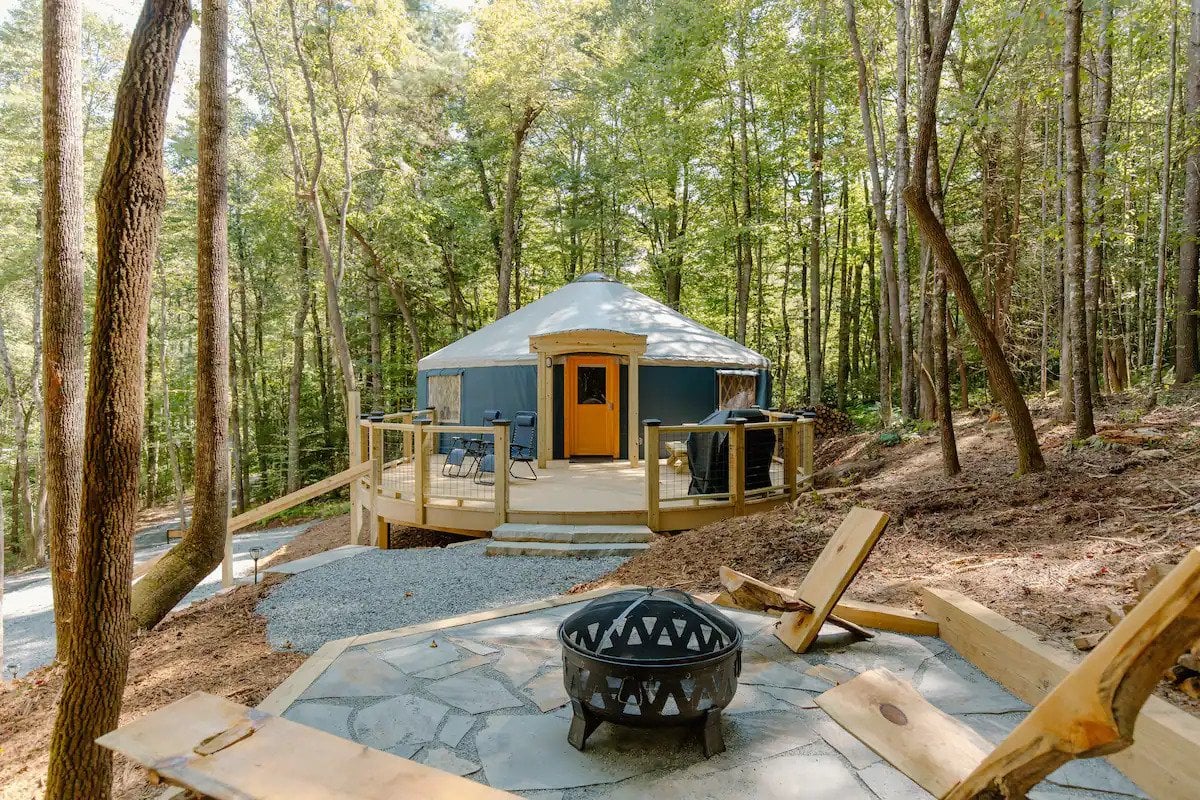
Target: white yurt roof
point(596, 302)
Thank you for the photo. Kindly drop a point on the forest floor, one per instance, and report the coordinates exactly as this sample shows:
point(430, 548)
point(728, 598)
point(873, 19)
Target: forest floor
point(1050, 550)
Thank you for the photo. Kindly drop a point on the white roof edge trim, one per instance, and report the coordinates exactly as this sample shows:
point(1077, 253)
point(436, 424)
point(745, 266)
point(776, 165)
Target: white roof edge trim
point(531, 361)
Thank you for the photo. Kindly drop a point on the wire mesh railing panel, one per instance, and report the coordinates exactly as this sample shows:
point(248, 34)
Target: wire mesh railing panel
point(694, 464)
point(460, 466)
point(765, 445)
point(398, 470)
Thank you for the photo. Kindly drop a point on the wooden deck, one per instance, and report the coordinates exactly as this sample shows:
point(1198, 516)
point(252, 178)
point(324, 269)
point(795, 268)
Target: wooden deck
point(409, 484)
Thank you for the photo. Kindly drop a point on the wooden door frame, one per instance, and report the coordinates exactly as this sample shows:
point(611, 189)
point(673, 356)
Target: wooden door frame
point(551, 348)
point(612, 390)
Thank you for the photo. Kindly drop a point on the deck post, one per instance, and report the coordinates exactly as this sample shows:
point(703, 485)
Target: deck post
point(500, 447)
point(808, 437)
point(375, 449)
point(431, 413)
point(650, 439)
point(791, 453)
point(545, 412)
point(420, 464)
point(406, 448)
point(353, 412)
point(633, 409)
point(737, 465)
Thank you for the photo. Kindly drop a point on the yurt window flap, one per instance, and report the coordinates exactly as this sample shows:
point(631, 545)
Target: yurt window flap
point(736, 388)
point(444, 392)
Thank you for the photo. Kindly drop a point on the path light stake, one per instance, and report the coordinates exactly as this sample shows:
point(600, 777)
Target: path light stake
point(256, 554)
point(12, 670)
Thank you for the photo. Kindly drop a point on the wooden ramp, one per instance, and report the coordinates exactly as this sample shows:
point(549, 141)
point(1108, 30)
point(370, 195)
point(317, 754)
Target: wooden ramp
point(1090, 713)
point(224, 750)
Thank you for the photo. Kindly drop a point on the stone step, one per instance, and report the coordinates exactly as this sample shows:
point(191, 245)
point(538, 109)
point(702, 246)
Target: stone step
point(573, 534)
point(565, 549)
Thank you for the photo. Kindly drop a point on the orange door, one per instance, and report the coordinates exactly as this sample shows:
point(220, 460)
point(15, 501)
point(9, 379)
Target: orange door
point(590, 406)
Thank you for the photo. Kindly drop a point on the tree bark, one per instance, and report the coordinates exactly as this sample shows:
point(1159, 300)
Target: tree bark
point(296, 379)
point(907, 370)
point(816, 155)
point(508, 225)
point(1029, 454)
point(1164, 214)
point(63, 292)
point(1094, 255)
point(1073, 234)
point(129, 207)
point(201, 549)
point(1186, 358)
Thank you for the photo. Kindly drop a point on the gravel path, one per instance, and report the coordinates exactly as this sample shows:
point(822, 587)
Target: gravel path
point(369, 592)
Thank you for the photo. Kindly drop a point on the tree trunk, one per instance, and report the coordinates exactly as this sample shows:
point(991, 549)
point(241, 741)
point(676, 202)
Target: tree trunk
point(201, 549)
point(63, 292)
point(816, 155)
point(508, 226)
point(21, 475)
point(129, 206)
point(907, 370)
point(1164, 215)
point(1073, 234)
point(168, 431)
point(297, 376)
point(1094, 255)
point(1186, 359)
point(882, 225)
point(1029, 454)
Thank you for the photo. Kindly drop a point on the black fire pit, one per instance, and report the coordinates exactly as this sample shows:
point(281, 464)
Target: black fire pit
point(649, 658)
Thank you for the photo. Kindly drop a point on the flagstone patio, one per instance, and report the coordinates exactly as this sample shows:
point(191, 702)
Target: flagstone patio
point(485, 699)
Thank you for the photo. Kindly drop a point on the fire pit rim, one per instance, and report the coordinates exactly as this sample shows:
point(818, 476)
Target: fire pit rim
point(733, 632)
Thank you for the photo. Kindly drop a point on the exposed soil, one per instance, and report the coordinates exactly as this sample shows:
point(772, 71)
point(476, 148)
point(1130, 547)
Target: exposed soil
point(1049, 550)
point(217, 645)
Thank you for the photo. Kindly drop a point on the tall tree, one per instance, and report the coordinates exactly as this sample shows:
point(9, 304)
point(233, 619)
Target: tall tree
point(129, 209)
point(1073, 235)
point(1164, 210)
point(1187, 358)
point(62, 292)
point(916, 194)
point(201, 549)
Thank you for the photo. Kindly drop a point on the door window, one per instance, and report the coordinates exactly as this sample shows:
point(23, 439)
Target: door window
point(591, 386)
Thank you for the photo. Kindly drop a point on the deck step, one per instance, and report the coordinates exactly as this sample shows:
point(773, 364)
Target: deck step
point(565, 549)
point(573, 534)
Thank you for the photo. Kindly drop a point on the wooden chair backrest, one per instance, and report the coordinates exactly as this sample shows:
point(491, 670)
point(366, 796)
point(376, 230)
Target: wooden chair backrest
point(1091, 712)
point(833, 570)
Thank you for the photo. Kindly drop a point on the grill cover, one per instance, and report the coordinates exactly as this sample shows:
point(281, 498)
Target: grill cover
point(708, 454)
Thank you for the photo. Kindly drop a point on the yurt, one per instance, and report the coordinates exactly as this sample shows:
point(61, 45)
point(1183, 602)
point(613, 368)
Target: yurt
point(592, 358)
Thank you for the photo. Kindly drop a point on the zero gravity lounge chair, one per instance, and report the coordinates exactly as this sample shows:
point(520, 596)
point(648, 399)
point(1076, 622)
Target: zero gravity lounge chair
point(1090, 713)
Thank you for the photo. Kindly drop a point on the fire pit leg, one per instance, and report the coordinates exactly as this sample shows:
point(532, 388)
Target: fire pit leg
point(583, 723)
point(714, 740)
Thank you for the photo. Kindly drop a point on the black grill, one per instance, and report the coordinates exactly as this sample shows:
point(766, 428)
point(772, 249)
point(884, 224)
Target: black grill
point(649, 658)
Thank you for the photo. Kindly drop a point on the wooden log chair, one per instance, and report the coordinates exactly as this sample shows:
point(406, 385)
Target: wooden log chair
point(1090, 713)
point(811, 606)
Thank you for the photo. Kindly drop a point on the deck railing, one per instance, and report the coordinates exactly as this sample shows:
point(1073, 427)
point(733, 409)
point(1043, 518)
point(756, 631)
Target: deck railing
point(410, 481)
point(677, 490)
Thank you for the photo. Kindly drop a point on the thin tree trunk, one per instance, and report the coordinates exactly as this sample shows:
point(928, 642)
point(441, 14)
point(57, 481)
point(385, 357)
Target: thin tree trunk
point(1029, 455)
point(508, 227)
point(816, 156)
point(907, 370)
point(1164, 214)
point(1185, 303)
point(168, 431)
point(63, 293)
point(129, 205)
point(21, 475)
point(1094, 253)
point(201, 549)
point(1073, 235)
point(296, 379)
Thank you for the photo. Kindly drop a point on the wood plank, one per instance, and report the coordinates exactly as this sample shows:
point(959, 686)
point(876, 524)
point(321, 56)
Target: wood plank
point(886, 618)
point(299, 496)
point(830, 574)
point(889, 716)
point(227, 751)
point(750, 594)
point(1164, 759)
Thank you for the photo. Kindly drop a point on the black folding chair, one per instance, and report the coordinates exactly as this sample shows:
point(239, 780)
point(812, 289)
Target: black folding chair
point(523, 447)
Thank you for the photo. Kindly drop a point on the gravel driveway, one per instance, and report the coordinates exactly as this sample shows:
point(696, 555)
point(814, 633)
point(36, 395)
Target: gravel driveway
point(371, 592)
